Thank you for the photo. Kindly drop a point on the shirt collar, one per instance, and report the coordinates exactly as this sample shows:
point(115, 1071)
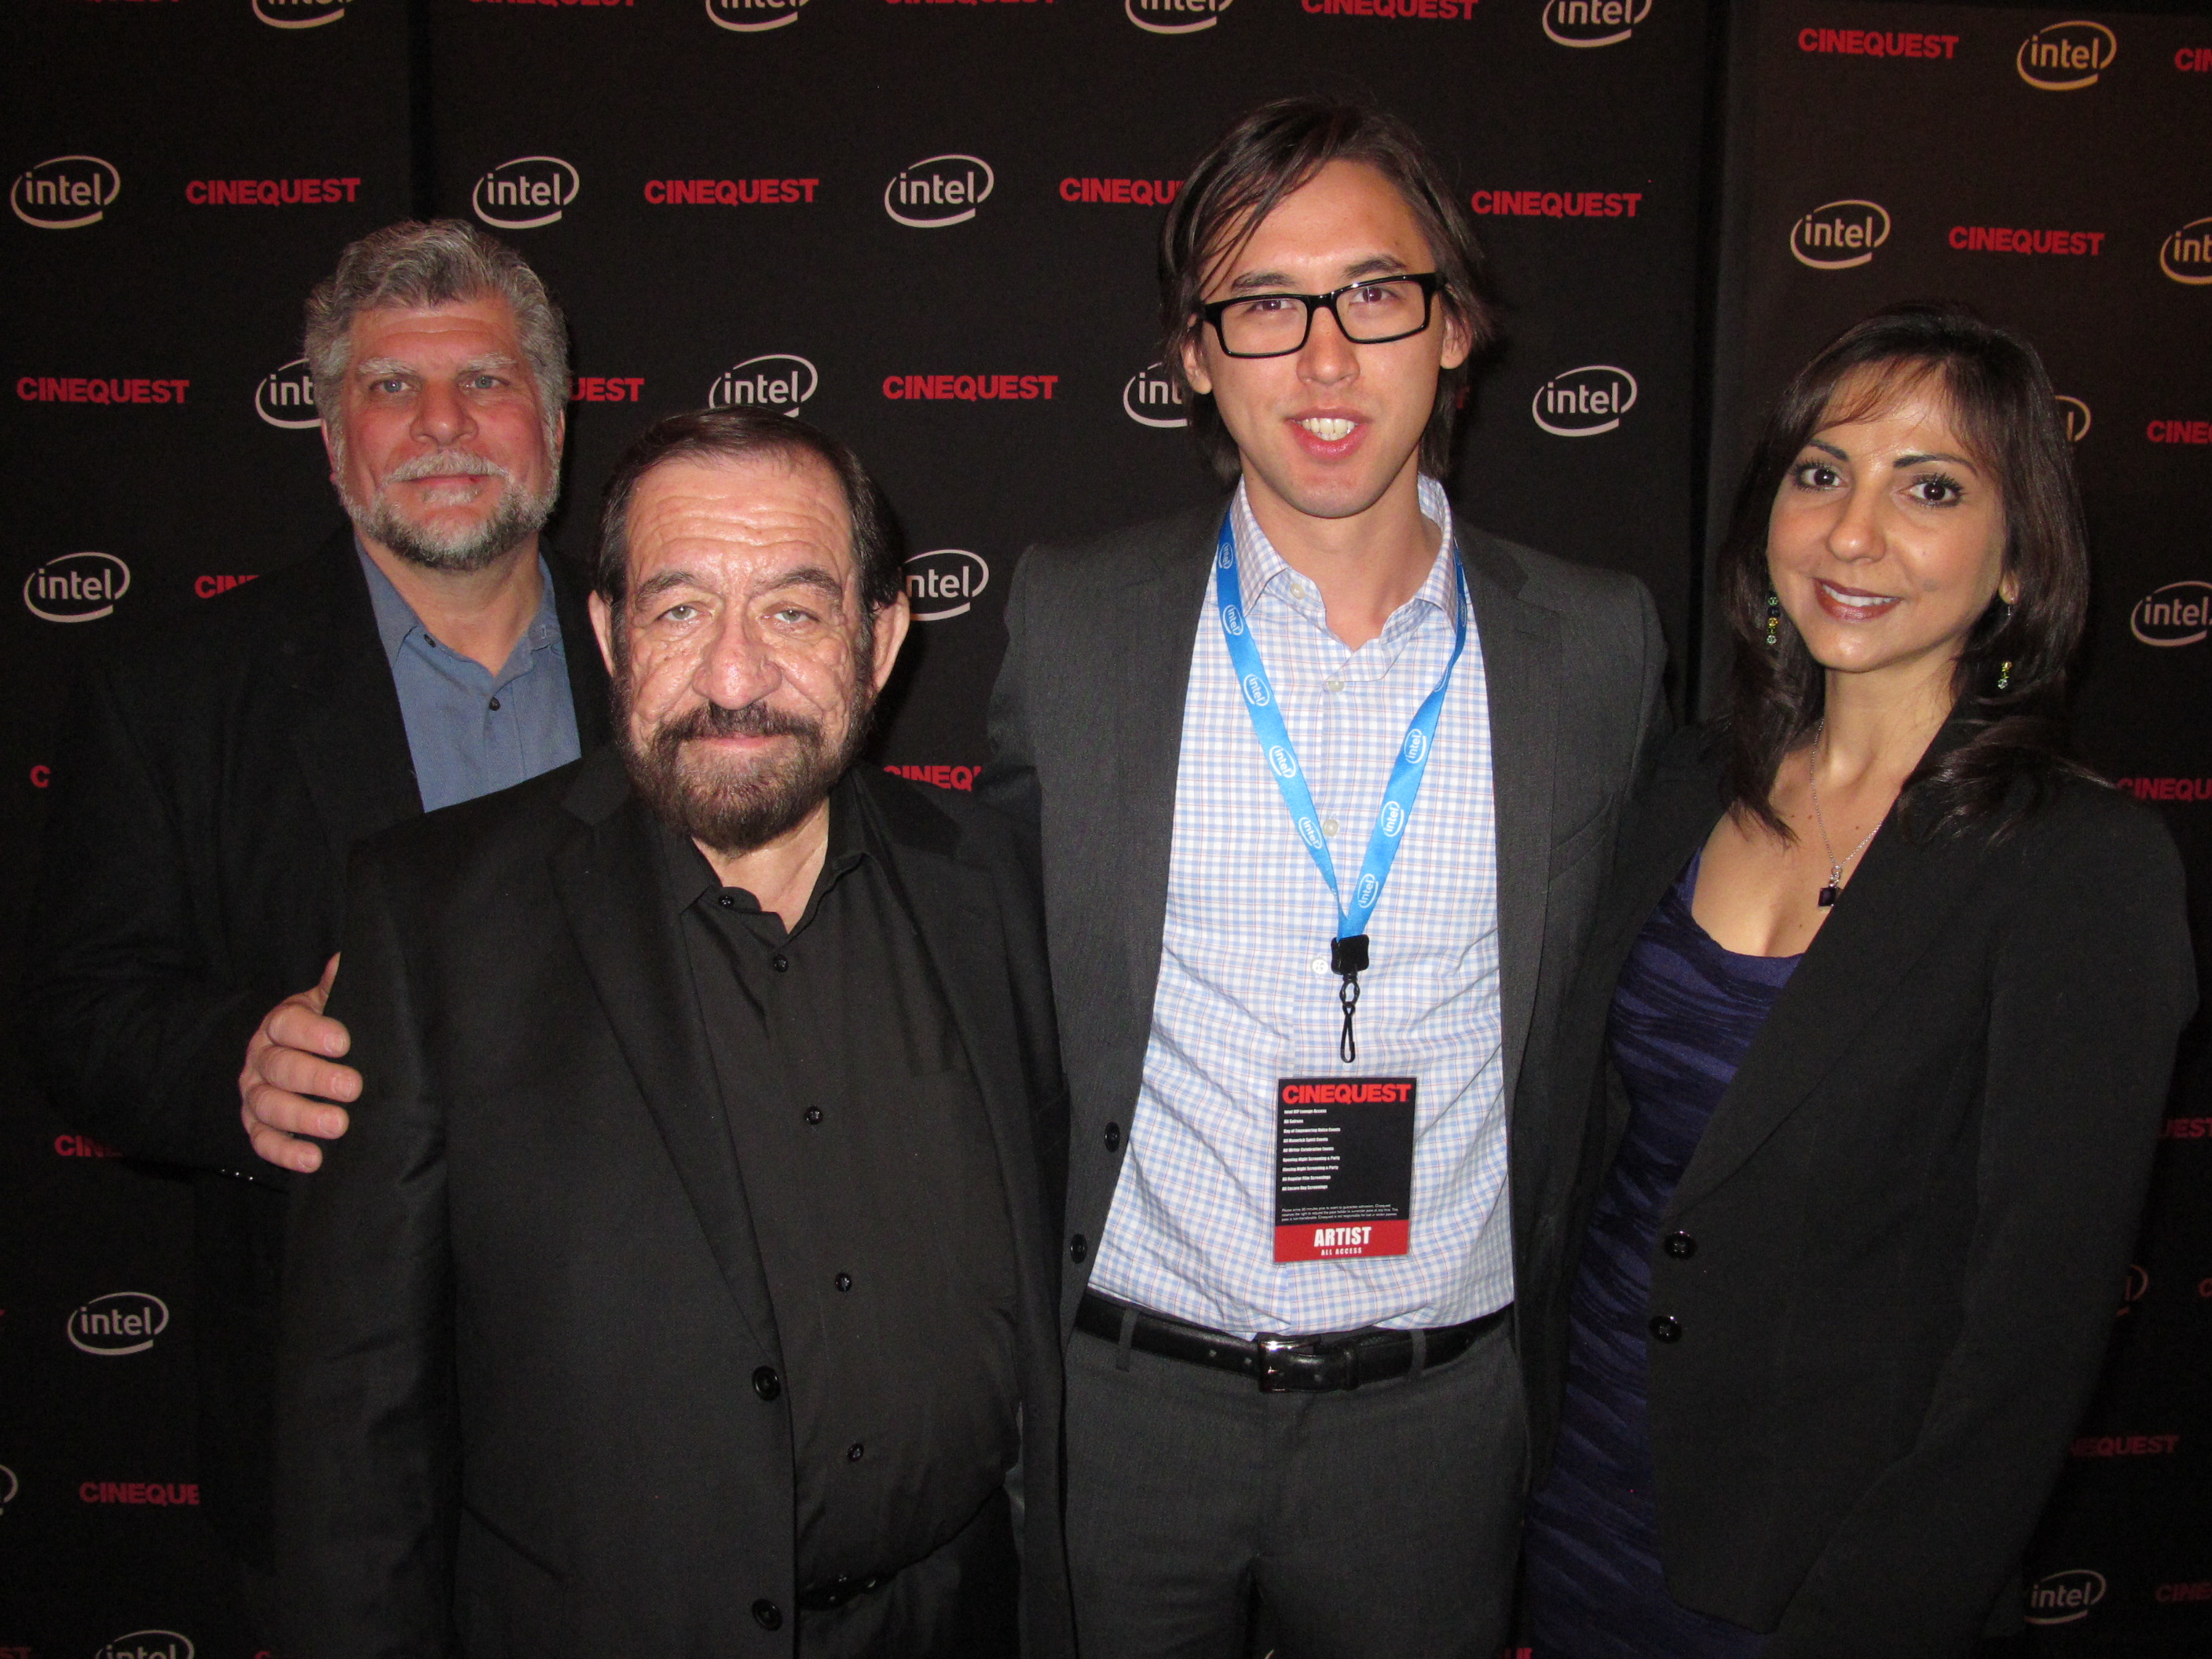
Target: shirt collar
point(1264, 567)
point(690, 880)
point(396, 619)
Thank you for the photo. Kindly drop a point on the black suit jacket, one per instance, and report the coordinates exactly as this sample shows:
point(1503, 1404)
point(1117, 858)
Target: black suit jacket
point(209, 785)
point(1086, 731)
point(524, 1309)
point(1912, 1213)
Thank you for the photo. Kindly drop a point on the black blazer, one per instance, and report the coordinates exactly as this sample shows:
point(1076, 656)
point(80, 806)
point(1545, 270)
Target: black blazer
point(524, 1308)
point(1904, 1233)
point(210, 781)
point(1086, 731)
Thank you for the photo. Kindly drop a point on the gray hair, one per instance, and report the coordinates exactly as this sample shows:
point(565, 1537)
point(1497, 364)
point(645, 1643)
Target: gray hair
point(440, 262)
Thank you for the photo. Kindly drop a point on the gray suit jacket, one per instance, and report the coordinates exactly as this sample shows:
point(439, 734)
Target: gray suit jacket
point(1086, 724)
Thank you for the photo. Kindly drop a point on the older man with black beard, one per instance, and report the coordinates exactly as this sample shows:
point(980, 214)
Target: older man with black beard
point(683, 1282)
point(211, 780)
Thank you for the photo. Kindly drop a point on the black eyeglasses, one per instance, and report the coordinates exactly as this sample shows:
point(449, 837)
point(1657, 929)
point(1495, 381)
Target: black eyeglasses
point(1372, 313)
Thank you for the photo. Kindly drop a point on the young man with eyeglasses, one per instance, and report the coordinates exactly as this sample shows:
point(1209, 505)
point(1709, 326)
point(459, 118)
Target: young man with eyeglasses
point(1327, 780)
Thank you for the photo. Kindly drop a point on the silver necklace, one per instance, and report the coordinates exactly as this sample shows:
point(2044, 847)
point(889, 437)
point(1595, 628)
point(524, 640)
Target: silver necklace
point(1834, 889)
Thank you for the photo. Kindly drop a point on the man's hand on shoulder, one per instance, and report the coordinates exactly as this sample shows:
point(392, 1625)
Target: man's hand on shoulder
point(291, 1076)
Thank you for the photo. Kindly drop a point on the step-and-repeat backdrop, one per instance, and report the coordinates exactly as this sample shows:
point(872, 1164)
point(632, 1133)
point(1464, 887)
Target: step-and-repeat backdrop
point(928, 225)
point(2054, 169)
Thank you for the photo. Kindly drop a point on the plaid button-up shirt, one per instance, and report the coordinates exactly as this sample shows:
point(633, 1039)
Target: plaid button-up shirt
point(1245, 995)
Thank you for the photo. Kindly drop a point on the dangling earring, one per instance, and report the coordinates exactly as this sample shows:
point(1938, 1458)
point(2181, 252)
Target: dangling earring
point(1773, 618)
point(2004, 676)
point(2004, 670)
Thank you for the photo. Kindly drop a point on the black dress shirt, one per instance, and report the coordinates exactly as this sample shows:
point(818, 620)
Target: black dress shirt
point(873, 1184)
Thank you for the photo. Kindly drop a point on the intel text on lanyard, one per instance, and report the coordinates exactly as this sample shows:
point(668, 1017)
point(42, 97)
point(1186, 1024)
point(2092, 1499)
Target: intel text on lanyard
point(1347, 951)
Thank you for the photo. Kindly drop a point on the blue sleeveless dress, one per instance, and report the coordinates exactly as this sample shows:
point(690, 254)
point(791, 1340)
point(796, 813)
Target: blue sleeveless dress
point(1684, 1014)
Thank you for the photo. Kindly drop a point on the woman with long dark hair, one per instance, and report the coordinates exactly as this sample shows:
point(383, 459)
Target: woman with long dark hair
point(1877, 1022)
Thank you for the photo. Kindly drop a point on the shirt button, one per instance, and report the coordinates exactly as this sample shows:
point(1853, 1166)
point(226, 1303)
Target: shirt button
point(854, 1452)
point(1332, 683)
point(495, 705)
point(1112, 1137)
point(766, 1383)
point(1665, 1327)
point(814, 1114)
point(1319, 964)
point(780, 962)
point(1329, 827)
point(1682, 1245)
point(844, 1281)
point(767, 1615)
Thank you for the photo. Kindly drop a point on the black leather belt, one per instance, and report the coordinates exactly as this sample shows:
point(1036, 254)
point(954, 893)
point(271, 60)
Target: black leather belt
point(1283, 1364)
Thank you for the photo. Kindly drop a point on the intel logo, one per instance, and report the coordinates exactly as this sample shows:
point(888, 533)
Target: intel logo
point(2179, 613)
point(526, 193)
point(751, 16)
point(66, 192)
point(2060, 1598)
point(2076, 415)
point(778, 381)
point(76, 587)
point(1151, 397)
point(943, 583)
point(2186, 255)
point(299, 14)
point(1581, 403)
point(944, 190)
point(1836, 235)
point(2066, 56)
point(148, 1645)
point(9, 1487)
point(120, 1322)
point(1593, 22)
point(1175, 16)
point(286, 397)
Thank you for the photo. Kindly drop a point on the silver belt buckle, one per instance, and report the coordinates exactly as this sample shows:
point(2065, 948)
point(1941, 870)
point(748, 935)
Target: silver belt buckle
point(1275, 1373)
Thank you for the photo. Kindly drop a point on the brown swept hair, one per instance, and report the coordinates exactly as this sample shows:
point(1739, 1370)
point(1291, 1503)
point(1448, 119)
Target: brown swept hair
point(1245, 176)
point(2008, 417)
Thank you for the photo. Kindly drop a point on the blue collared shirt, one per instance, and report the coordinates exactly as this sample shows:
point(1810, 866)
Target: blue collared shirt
point(471, 732)
point(1245, 995)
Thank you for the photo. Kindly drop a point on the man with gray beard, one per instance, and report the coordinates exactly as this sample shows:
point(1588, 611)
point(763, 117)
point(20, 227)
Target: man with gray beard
point(212, 781)
point(683, 1284)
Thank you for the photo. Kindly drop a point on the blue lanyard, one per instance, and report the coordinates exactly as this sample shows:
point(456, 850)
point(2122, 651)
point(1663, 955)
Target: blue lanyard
point(1348, 953)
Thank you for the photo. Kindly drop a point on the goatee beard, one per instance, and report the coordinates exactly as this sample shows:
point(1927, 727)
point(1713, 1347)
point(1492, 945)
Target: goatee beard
point(736, 808)
point(463, 549)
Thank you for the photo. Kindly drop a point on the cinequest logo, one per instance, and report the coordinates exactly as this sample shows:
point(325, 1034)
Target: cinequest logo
point(944, 190)
point(2076, 414)
point(1174, 16)
point(778, 381)
point(1581, 402)
point(286, 397)
point(751, 16)
point(1836, 235)
point(1151, 397)
point(148, 1645)
point(120, 1322)
point(943, 584)
point(65, 193)
point(526, 193)
point(299, 14)
point(2186, 255)
point(2060, 1598)
point(2179, 613)
point(76, 587)
point(2066, 56)
point(1593, 22)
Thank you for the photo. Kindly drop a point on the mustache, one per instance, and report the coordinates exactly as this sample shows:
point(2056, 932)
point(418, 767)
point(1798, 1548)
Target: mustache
point(753, 720)
point(444, 463)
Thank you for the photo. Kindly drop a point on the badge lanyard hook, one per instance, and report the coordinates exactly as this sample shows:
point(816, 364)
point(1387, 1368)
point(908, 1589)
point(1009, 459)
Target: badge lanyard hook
point(1348, 953)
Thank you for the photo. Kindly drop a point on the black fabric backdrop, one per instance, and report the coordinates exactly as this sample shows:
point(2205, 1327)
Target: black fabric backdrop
point(928, 224)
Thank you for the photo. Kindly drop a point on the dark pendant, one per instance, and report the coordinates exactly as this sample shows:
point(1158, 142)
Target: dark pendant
point(1830, 894)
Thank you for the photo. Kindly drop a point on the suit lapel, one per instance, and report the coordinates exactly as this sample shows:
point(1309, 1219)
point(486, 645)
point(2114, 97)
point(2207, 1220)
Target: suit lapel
point(1901, 898)
point(1146, 756)
point(1521, 675)
point(633, 953)
point(349, 737)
